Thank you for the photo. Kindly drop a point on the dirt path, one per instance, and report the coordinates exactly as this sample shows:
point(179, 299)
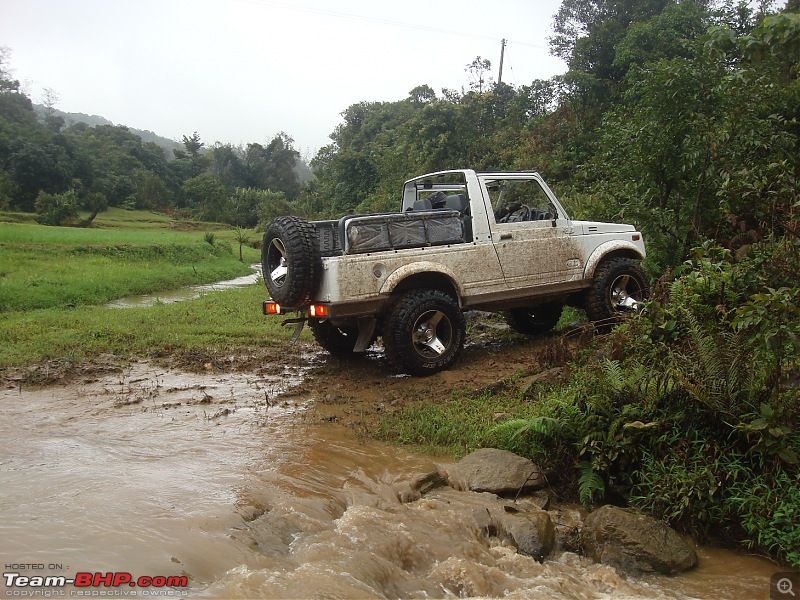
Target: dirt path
point(356, 391)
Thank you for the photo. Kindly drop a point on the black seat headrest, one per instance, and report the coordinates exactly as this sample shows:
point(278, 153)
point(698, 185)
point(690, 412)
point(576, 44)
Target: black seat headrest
point(457, 202)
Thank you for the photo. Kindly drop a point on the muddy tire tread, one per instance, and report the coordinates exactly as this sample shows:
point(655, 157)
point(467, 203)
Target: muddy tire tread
point(598, 305)
point(398, 331)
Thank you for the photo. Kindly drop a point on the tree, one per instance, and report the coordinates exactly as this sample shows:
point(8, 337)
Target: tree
point(51, 120)
point(272, 167)
point(149, 191)
point(226, 165)
point(57, 209)
point(190, 162)
point(94, 202)
point(245, 205)
point(271, 205)
point(193, 145)
point(15, 107)
point(207, 194)
point(422, 94)
point(38, 164)
point(242, 238)
point(704, 146)
point(477, 71)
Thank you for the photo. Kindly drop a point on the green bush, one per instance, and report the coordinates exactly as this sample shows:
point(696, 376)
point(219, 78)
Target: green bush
point(57, 209)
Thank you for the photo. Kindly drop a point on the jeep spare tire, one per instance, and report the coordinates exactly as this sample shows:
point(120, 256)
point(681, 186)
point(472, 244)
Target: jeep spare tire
point(290, 260)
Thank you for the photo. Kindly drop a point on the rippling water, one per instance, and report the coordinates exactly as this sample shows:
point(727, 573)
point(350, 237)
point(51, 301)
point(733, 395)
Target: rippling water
point(214, 477)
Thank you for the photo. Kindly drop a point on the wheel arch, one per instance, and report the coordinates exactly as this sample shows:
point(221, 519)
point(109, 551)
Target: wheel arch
point(423, 275)
point(609, 250)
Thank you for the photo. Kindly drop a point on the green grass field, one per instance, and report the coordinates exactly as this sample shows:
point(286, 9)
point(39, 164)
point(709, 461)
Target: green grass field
point(54, 282)
point(126, 253)
point(218, 320)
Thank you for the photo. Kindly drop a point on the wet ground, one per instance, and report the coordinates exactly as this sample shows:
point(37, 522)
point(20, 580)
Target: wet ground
point(242, 474)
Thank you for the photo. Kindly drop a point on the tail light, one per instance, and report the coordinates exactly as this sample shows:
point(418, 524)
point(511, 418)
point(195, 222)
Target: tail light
point(318, 310)
point(271, 308)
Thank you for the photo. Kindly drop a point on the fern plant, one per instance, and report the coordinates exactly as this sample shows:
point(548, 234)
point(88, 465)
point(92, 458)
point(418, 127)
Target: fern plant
point(716, 369)
point(589, 482)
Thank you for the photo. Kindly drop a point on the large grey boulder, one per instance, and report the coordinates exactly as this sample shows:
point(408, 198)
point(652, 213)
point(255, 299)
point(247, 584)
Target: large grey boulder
point(492, 470)
point(531, 532)
point(522, 524)
point(632, 541)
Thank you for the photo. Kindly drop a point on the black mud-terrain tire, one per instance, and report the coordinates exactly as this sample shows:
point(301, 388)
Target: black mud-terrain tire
point(290, 260)
point(424, 332)
point(617, 283)
point(536, 320)
point(338, 342)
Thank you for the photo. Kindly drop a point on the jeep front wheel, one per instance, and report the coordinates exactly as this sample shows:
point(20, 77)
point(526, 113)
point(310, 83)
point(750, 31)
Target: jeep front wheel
point(424, 332)
point(619, 285)
point(290, 260)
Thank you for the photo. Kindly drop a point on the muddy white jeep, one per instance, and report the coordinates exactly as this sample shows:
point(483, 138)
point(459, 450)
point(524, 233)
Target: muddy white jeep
point(462, 240)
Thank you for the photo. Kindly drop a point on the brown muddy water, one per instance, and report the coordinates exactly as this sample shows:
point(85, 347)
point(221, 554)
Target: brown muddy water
point(216, 477)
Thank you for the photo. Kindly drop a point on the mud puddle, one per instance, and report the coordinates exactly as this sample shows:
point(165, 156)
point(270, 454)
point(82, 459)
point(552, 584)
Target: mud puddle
point(223, 479)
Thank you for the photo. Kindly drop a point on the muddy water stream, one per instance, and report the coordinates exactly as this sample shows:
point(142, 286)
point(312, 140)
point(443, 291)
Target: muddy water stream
point(214, 476)
point(186, 293)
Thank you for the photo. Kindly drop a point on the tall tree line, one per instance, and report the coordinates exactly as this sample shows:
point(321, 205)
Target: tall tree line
point(681, 116)
point(55, 171)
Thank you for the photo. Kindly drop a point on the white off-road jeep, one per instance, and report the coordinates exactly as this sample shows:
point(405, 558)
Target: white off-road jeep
point(497, 242)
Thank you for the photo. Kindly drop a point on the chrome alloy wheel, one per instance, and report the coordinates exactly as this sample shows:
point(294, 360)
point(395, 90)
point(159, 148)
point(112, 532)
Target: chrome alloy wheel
point(276, 262)
point(432, 334)
point(624, 292)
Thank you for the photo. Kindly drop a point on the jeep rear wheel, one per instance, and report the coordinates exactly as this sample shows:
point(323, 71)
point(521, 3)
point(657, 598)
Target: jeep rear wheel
point(619, 285)
point(290, 260)
point(536, 320)
point(337, 341)
point(424, 332)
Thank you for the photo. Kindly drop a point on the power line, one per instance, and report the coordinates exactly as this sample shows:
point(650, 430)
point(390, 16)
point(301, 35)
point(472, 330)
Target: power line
point(382, 21)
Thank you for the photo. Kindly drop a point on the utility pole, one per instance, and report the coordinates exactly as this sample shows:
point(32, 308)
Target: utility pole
point(502, 54)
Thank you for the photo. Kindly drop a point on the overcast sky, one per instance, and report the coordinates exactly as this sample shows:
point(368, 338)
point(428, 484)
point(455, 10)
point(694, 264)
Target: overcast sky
point(240, 71)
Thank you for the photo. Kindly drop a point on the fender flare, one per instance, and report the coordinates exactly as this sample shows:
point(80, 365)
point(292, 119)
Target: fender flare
point(611, 247)
point(402, 273)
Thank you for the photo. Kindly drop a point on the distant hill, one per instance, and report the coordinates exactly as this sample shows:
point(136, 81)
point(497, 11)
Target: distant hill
point(301, 168)
point(95, 120)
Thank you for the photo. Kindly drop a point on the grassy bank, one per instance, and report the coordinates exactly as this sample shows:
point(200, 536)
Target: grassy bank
point(126, 253)
point(215, 321)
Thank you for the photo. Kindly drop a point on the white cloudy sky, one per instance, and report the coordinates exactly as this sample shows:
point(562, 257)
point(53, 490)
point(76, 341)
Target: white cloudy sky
point(241, 71)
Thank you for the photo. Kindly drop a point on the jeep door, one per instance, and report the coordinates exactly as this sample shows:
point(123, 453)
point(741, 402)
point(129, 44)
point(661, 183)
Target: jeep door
point(535, 243)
